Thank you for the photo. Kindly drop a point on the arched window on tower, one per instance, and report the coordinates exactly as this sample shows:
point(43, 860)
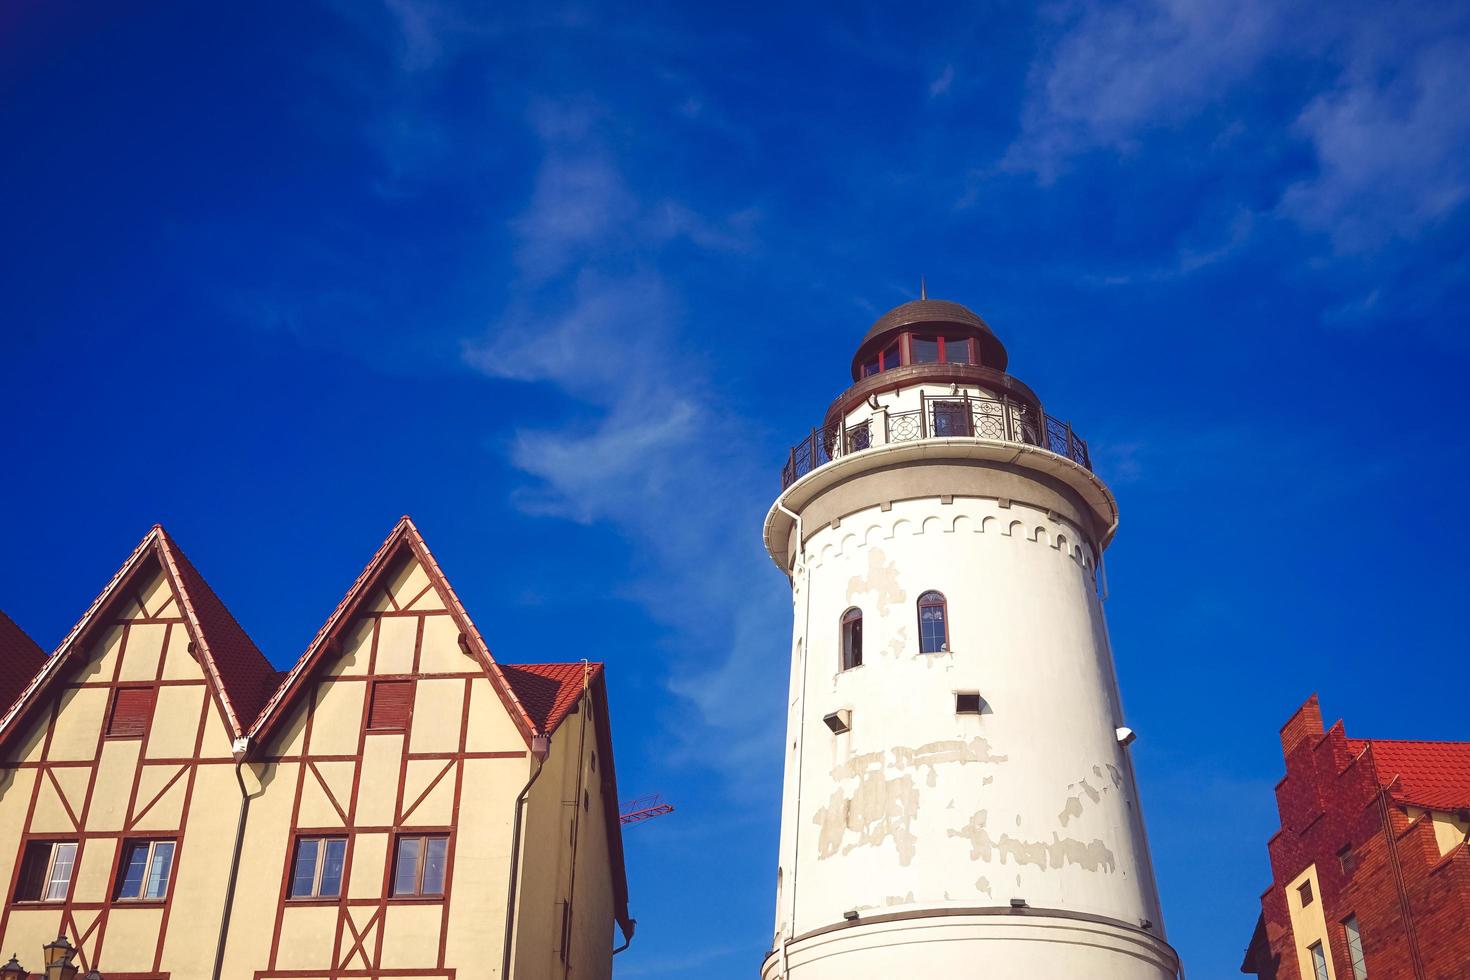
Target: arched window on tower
point(933, 623)
point(852, 638)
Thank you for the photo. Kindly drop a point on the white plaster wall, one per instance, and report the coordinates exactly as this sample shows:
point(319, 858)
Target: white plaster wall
point(993, 947)
point(908, 399)
point(918, 806)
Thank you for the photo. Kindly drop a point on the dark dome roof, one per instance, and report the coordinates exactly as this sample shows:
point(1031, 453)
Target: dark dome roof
point(936, 313)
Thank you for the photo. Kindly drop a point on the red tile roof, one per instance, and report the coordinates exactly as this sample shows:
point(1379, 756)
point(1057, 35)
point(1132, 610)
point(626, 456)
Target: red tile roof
point(20, 658)
point(246, 677)
point(549, 692)
point(1435, 775)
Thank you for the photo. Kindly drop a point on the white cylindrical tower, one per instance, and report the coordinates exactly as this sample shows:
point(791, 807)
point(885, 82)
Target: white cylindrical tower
point(958, 800)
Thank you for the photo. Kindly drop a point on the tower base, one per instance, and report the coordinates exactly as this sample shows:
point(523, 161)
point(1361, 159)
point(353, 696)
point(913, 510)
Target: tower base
point(993, 943)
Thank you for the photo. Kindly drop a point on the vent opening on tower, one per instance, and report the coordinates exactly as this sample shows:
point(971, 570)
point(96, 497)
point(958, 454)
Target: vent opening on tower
point(968, 703)
point(839, 721)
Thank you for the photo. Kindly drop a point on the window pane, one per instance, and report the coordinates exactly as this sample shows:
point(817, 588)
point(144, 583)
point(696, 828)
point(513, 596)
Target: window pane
point(932, 636)
point(303, 871)
point(406, 869)
point(1355, 948)
point(870, 368)
point(891, 358)
point(61, 865)
point(956, 350)
point(434, 866)
point(333, 856)
point(135, 864)
point(33, 872)
point(951, 419)
point(158, 869)
point(924, 350)
point(852, 639)
point(1319, 962)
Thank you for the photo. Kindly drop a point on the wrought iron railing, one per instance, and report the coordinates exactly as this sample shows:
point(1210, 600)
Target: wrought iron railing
point(958, 416)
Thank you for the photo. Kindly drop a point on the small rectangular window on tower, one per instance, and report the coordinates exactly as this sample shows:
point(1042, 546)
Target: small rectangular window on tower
point(1304, 892)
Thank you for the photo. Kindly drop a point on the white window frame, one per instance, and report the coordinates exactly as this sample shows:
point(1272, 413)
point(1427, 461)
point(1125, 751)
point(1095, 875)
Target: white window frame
point(51, 881)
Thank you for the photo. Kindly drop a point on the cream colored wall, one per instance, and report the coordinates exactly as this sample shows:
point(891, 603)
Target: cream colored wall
point(135, 792)
point(546, 871)
point(428, 755)
point(1308, 924)
point(1449, 830)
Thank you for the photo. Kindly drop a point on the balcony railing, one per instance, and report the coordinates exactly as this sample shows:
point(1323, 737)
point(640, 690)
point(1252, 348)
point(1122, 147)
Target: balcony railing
point(960, 416)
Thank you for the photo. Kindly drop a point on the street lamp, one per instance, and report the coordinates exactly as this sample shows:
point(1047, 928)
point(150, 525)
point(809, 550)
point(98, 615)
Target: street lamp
point(58, 962)
point(13, 970)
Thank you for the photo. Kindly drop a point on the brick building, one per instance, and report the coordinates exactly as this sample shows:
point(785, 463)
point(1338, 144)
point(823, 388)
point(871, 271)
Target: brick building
point(1371, 866)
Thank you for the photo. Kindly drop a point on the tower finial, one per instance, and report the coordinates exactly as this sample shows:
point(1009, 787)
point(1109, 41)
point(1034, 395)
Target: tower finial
point(923, 290)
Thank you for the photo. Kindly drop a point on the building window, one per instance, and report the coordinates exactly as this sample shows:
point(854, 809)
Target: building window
point(132, 710)
point(967, 703)
point(144, 874)
point(1355, 947)
point(1304, 892)
point(893, 357)
point(933, 624)
point(316, 871)
point(952, 418)
point(955, 350)
point(852, 639)
point(389, 705)
point(45, 871)
point(418, 864)
point(1319, 961)
point(924, 350)
point(1346, 859)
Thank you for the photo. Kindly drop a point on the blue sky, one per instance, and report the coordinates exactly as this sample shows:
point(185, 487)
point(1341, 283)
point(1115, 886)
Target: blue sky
point(564, 283)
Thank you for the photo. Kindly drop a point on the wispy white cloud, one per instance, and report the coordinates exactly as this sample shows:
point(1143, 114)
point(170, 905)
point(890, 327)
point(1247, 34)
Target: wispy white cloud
point(1114, 70)
point(647, 448)
point(942, 82)
point(1390, 148)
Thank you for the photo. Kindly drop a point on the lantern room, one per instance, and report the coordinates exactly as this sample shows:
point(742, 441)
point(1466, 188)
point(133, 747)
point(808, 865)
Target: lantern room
point(927, 331)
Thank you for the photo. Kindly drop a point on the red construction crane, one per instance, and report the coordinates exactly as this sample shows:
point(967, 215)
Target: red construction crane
point(644, 808)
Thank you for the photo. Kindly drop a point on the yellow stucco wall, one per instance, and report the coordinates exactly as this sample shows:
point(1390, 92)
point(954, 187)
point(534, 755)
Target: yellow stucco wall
point(455, 769)
point(1308, 925)
point(547, 870)
point(1449, 830)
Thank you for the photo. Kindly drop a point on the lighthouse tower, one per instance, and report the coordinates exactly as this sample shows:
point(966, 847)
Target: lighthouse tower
point(959, 799)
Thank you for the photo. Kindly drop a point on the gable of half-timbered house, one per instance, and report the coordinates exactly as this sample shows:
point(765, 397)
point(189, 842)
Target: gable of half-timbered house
point(114, 758)
point(178, 809)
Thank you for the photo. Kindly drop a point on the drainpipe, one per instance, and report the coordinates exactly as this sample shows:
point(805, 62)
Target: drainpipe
point(627, 928)
point(1406, 908)
point(241, 746)
point(801, 737)
point(540, 749)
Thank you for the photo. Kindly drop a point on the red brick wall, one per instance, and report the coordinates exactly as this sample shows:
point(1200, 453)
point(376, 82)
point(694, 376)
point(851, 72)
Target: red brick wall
point(1330, 799)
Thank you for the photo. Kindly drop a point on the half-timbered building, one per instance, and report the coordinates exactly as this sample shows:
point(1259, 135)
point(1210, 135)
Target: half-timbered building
point(395, 805)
